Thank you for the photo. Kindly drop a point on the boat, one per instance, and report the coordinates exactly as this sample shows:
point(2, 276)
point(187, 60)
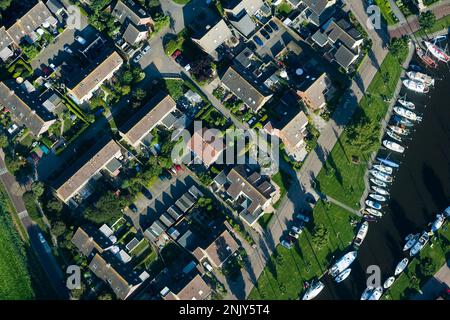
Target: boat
point(415, 67)
point(377, 197)
point(376, 293)
point(405, 113)
point(446, 212)
point(380, 167)
point(437, 224)
point(388, 162)
point(362, 232)
point(313, 291)
point(373, 204)
point(374, 212)
point(343, 275)
point(407, 104)
point(422, 77)
point(388, 283)
point(416, 86)
point(393, 146)
point(367, 293)
point(381, 176)
point(401, 266)
point(377, 182)
point(380, 191)
point(423, 240)
point(369, 217)
point(437, 52)
point(439, 38)
point(411, 241)
point(393, 135)
point(402, 121)
point(399, 130)
point(343, 263)
point(426, 58)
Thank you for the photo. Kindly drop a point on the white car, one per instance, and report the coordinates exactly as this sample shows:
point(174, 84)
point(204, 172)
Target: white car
point(41, 238)
point(80, 40)
point(303, 218)
point(137, 58)
point(146, 49)
point(287, 244)
point(295, 232)
point(68, 50)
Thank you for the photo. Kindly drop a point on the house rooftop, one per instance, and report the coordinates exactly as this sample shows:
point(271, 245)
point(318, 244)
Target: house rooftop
point(88, 239)
point(17, 101)
point(129, 9)
point(148, 118)
point(206, 146)
point(221, 248)
point(244, 24)
point(196, 289)
point(210, 31)
point(345, 57)
point(89, 164)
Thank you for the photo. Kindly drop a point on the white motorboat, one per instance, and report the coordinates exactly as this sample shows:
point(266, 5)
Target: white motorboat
point(343, 263)
point(373, 204)
point(379, 183)
point(399, 130)
point(423, 240)
point(343, 275)
point(446, 212)
point(393, 146)
point(381, 176)
point(410, 241)
point(393, 135)
point(382, 168)
point(422, 77)
point(402, 121)
point(376, 294)
point(374, 212)
point(377, 197)
point(437, 224)
point(388, 283)
point(313, 291)
point(401, 266)
point(367, 293)
point(362, 233)
point(416, 86)
point(405, 113)
point(437, 52)
point(407, 104)
point(380, 191)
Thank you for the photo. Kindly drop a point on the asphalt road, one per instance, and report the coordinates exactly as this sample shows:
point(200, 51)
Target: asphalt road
point(47, 260)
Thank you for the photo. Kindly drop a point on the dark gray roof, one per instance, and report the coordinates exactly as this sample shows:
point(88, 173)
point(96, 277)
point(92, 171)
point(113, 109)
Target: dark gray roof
point(55, 6)
point(185, 202)
point(169, 120)
point(188, 240)
point(89, 238)
point(167, 219)
point(344, 56)
point(113, 165)
point(132, 33)
point(129, 10)
point(195, 192)
point(157, 227)
point(244, 58)
point(319, 38)
point(132, 244)
point(174, 212)
point(244, 25)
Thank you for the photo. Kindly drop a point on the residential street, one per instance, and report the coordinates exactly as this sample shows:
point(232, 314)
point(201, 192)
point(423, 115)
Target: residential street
point(47, 260)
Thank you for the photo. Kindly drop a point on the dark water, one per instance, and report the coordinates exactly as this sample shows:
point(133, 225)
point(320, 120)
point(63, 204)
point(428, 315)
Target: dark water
point(420, 190)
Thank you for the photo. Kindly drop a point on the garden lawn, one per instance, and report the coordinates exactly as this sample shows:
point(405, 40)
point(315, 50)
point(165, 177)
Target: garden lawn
point(403, 287)
point(285, 273)
point(15, 280)
point(283, 180)
point(386, 11)
point(340, 178)
point(440, 24)
point(265, 219)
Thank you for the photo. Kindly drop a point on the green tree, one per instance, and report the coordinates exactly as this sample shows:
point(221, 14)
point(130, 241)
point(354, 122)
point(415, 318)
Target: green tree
point(38, 189)
point(320, 236)
point(427, 19)
point(127, 77)
point(205, 203)
point(398, 46)
point(139, 94)
point(55, 205)
point(107, 209)
point(427, 267)
point(3, 141)
point(58, 228)
point(4, 4)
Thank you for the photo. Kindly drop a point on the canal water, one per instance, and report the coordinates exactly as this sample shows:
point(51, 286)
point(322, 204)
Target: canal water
point(420, 190)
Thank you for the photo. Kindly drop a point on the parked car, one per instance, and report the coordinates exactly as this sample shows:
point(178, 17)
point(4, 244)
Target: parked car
point(273, 25)
point(181, 60)
point(80, 40)
point(302, 217)
point(295, 231)
point(268, 28)
point(147, 193)
point(258, 41)
point(133, 208)
point(137, 58)
point(41, 238)
point(287, 243)
point(67, 49)
point(265, 34)
point(146, 49)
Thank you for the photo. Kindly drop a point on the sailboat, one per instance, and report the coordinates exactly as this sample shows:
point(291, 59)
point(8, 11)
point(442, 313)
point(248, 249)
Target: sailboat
point(416, 86)
point(422, 77)
point(402, 121)
point(405, 113)
point(388, 162)
point(410, 241)
point(343, 263)
point(367, 293)
point(388, 283)
point(401, 266)
point(379, 183)
point(393, 146)
point(376, 294)
point(385, 169)
point(374, 212)
point(423, 240)
point(313, 291)
point(426, 58)
point(343, 275)
point(393, 135)
point(437, 224)
point(373, 204)
point(377, 197)
point(407, 104)
point(361, 235)
point(381, 176)
point(399, 130)
point(437, 52)
point(380, 191)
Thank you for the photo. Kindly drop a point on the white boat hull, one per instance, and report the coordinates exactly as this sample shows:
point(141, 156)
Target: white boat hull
point(313, 291)
point(401, 266)
point(343, 263)
point(388, 283)
point(343, 275)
